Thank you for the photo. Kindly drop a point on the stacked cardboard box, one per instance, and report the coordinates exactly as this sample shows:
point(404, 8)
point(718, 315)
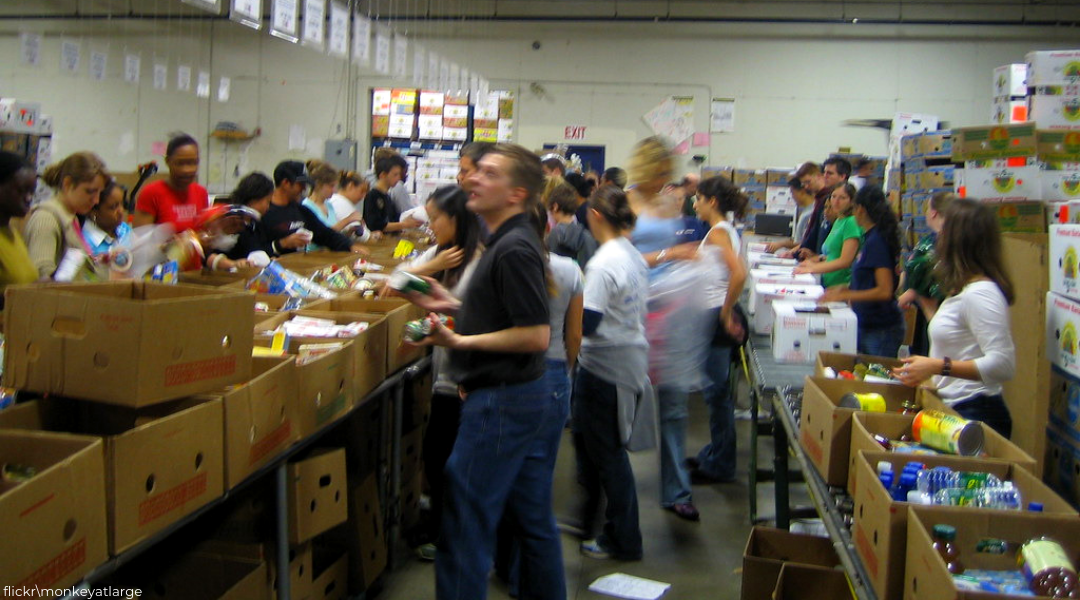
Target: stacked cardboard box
point(1053, 82)
point(1009, 94)
point(927, 168)
point(1062, 322)
point(1001, 166)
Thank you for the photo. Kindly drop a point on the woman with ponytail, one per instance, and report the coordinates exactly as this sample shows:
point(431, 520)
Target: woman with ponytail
point(872, 292)
point(54, 226)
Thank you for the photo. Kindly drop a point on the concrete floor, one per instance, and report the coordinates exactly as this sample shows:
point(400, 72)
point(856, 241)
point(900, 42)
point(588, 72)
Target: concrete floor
point(700, 560)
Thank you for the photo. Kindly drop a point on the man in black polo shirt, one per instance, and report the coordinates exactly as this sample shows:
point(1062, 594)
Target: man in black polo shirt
point(511, 423)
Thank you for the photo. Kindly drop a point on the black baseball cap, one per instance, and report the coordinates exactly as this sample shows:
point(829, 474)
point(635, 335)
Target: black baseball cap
point(291, 170)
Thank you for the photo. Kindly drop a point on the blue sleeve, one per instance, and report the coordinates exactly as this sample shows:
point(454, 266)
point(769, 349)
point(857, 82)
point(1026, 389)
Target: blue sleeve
point(323, 235)
point(590, 321)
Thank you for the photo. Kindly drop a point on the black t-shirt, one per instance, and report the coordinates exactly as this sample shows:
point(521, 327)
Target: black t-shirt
point(506, 290)
point(379, 210)
point(283, 221)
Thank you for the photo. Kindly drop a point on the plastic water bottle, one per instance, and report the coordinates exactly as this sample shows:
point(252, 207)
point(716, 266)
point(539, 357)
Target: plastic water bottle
point(903, 352)
point(931, 481)
point(1005, 497)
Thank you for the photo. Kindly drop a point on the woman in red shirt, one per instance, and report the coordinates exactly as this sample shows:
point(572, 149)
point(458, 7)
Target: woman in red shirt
point(178, 199)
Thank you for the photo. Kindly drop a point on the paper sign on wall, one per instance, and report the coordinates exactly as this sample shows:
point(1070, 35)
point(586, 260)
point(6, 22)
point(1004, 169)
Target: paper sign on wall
point(247, 13)
point(401, 56)
point(314, 24)
point(224, 91)
point(297, 137)
point(284, 19)
point(202, 87)
point(339, 30)
point(161, 73)
point(722, 115)
point(183, 78)
point(132, 67)
point(362, 40)
point(382, 52)
point(98, 63)
point(30, 48)
point(70, 54)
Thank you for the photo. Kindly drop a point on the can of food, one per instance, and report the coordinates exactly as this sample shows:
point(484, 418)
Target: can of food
point(948, 433)
point(869, 402)
point(405, 282)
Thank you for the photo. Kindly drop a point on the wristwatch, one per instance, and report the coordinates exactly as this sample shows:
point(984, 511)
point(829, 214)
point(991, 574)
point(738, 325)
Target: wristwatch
point(946, 366)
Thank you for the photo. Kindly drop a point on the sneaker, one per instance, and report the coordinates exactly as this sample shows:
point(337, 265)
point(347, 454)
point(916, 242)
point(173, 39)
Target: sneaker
point(685, 510)
point(593, 549)
point(426, 552)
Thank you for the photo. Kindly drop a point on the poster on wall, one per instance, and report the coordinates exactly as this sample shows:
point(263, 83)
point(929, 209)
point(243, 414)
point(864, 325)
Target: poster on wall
point(401, 56)
point(99, 60)
point(382, 52)
point(161, 75)
point(285, 19)
point(224, 91)
point(672, 119)
point(314, 32)
point(362, 40)
point(30, 48)
point(202, 87)
point(247, 13)
point(338, 44)
point(132, 67)
point(722, 115)
point(183, 78)
point(70, 55)
point(213, 6)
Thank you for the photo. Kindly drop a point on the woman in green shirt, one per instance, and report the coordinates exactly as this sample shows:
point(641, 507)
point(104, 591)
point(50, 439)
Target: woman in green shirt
point(845, 239)
point(17, 183)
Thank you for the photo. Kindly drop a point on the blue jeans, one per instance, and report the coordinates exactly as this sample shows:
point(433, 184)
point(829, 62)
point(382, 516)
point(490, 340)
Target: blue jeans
point(558, 379)
point(988, 409)
point(604, 466)
point(674, 478)
point(503, 463)
point(881, 341)
point(717, 458)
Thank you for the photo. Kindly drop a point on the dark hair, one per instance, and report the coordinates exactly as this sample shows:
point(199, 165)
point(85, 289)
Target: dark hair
point(451, 200)
point(862, 163)
point(400, 161)
point(10, 164)
point(582, 186)
point(969, 246)
point(254, 186)
point(612, 204)
point(110, 185)
point(852, 193)
point(563, 199)
point(729, 198)
point(385, 165)
point(524, 171)
point(616, 176)
point(843, 167)
point(350, 177)
point(872, 198)
point(179, 141)
point(476, 150)
point(81, 167)
point(554, 163)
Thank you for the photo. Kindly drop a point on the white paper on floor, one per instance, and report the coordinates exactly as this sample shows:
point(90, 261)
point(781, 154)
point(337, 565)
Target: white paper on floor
point(621, 585)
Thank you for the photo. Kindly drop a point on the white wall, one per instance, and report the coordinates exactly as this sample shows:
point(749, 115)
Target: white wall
point(793, 85)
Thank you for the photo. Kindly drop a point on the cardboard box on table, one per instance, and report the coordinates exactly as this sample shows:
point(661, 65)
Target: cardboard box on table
point(825, 427)
point(893, 426)
point(398, 312)
point(54, 523)
point(838, 361)
point(767, 294)
point(925, 576)
point(223, 279)
point(317, 493)
point(768, 550)
point(758, 260)
point(368, 349)
point(261, 417)
point(779, 276)
point(880, 527)
point(127, 343)
point(161, 462)
point(803, 582)
point(802, 329)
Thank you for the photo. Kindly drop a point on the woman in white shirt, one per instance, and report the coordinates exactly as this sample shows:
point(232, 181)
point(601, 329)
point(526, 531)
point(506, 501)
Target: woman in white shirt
point(971, 346)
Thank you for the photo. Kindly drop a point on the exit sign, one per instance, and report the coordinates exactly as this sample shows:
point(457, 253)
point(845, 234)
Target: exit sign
point(574, 132)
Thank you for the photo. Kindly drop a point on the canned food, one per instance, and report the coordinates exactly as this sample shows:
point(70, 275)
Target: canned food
point(870, 402)
point(948, 433)
point(405, 282)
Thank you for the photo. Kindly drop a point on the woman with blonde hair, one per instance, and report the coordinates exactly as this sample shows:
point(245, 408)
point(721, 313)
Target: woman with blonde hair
point(54, 226)
point(325, 179)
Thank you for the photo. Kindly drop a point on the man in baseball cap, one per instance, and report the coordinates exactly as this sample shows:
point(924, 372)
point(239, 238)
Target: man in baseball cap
point(290, 226)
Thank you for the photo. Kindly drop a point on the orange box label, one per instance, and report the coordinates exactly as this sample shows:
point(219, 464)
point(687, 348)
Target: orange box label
point(58, 566)
point(152, 508)
point(200, 370)
point(269, 441)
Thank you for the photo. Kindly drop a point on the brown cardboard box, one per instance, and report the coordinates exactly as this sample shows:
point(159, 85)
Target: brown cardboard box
point(365, 435)
point(1021, 217)
point(768, 549)
point(330, 568)
point(411, 489)
point(993, 141)
point(417, 401)
point(128, 343)
point(778, 177)
point(224, 279)
point(397, 312)
point(317, 494)
point(1058, 146)
point(196, 575)
point(804, 582)
point(880, 522)
point(54, 524)
point(261, 417)
point(926, 578)
point(366, 535)
point(412, 452)
point(825, 428)
point(892, 425)
point(162, 462)
point(301, 569)
point(839, 361)
point(368, 348)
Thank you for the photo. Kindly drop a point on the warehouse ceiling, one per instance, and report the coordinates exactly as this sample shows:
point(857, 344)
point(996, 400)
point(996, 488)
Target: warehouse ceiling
point(908, 12)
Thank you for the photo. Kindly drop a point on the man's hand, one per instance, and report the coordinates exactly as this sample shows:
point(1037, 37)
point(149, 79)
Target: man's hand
point(440, 300)
point(440, 335)
point(293, 241)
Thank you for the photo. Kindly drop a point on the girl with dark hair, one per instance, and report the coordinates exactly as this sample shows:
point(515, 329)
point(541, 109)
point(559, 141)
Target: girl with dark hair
point(105, 228)
point(971, 347)
point(178, 199)
point(612, 367)
point(252, 192)
point(451, 261)
point(872, 292)
point(716, 198)
point(17, 183)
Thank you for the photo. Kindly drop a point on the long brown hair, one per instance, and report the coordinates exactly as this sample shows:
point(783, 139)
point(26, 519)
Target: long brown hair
point(970, 246)
point(80, 167)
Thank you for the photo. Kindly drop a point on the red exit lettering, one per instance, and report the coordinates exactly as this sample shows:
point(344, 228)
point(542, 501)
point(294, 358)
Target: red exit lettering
point(574, 132)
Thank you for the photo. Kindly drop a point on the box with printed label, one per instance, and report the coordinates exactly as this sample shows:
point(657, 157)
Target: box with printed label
point(1065, 260)
point(767, 294)
point(707, 172)
point(768, 550)
point(802, 329)
point(1009, 111)
point(1000, 184)
point(1021, 217)
point(1063, 462)
point(909, 146)
point(1054, 112)
point(1060, 186)
point(1010, 81)
point(993, 141)
point(54, 522)
point(162, 462)
point(1061, 146)
point(317, 493)
point(1063, 331)
point(1064, 400)
point(881, 522)
point(986, 540)
point(758, 260)
point(127, 343)
point(1054, 67)
point(774, 277)
point(825, 426)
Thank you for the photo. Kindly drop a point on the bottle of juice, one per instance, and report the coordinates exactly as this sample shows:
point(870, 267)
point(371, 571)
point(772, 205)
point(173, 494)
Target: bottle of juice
point(1048, 569)
point(944, 536)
